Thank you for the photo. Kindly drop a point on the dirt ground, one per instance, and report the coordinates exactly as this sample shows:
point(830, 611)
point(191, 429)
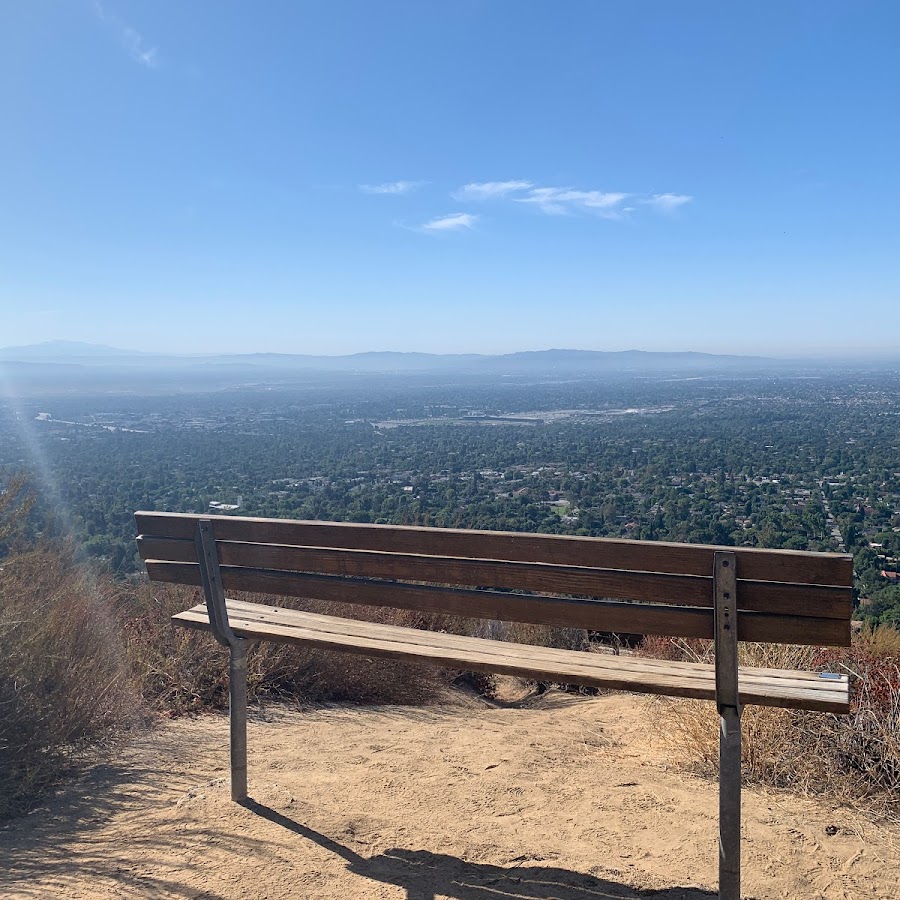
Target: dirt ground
point(560, 797)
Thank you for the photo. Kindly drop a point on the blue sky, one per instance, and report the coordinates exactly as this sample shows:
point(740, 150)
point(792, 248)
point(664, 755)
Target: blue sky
point(459, 176)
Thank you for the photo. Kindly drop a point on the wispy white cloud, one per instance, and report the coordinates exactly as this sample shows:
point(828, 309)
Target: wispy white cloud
point(558, 201)
point(128, 37)
point(667, 202)
point(452, 222)
point(567, 200)
point(137, 50)
point(391, 187)
point(488, 190)
point(549, 200)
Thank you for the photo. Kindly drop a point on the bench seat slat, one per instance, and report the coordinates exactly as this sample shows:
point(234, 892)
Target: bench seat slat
point(279, 615)
point(614, 553)
point(255, 621)
point(593, 615)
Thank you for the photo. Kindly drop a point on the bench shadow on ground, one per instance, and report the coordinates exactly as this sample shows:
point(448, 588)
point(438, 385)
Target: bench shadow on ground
point(41, 859)
point(425, 875)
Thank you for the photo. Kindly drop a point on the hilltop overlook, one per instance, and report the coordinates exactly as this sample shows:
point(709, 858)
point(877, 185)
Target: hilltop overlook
point(430, 384)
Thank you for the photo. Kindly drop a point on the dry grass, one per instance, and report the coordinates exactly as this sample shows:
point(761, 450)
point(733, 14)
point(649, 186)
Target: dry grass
point(854, 759)
point(85, 656)
point(64, 685)
point(182, 671)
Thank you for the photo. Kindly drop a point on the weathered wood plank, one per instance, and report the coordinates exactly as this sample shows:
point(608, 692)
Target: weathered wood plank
point(254, 612)
point(650, 556)
point(593, 615)
point(691, 590)
point(397, 646)
point(685, 589)
point(482, 655)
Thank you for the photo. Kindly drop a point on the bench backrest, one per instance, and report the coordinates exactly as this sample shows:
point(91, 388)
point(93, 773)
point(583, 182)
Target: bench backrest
point(783, 596)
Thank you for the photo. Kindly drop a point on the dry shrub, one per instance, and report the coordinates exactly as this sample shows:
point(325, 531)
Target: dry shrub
point(676, 649)
point(540, 635)
point(854, 758)
point(80, 652)
point(181, 670)
point(15, 505)
point(64, 685)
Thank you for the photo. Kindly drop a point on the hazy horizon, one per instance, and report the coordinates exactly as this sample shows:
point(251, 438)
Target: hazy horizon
point(443, 348)
point(61, 348)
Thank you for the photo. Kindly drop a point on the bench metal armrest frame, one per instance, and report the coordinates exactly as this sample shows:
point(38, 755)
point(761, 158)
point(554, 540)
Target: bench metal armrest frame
point(211, 578)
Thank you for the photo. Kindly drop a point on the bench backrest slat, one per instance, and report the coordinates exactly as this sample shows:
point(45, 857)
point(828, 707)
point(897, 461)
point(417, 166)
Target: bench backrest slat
point(827, 601)
point(351, 562)
point(610, 553)
point(593, 615)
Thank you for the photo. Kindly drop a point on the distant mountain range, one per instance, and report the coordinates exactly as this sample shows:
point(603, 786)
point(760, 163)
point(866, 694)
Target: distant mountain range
point(83, 354)
point(72, 366)
point(63, 350)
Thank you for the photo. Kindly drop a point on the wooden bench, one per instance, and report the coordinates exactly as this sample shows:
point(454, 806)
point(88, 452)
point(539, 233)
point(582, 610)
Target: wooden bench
point(682, 590)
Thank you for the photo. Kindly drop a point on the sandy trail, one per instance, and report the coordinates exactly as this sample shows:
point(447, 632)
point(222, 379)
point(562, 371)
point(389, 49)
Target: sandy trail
point(565, 798)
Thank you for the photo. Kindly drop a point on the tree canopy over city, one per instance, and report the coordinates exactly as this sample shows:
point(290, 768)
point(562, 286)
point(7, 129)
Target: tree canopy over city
point(793, 461)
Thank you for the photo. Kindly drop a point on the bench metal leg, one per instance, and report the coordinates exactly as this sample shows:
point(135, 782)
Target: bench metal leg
point(729, 702)
point(237, 695)
point(730, 804)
